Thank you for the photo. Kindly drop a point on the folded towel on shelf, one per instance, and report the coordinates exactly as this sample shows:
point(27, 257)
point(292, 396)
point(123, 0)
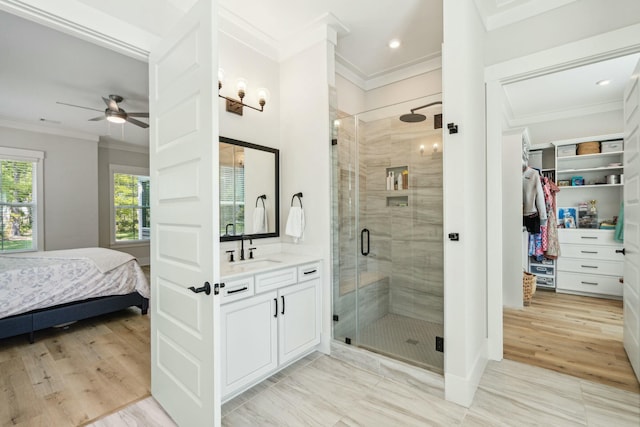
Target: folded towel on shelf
point(260, 220)
point(295, 223)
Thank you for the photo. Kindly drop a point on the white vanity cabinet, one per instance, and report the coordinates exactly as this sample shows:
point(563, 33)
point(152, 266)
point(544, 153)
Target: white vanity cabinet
point(265, 331)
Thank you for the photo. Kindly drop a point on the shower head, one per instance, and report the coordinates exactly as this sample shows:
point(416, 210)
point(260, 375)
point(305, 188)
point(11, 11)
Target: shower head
point(414, 117)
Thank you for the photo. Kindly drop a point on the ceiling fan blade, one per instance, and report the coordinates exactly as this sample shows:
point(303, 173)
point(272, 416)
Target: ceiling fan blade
point(77, 106)
point(138, 114)
point(136, 122)
point(111, 104)
point(96, 119)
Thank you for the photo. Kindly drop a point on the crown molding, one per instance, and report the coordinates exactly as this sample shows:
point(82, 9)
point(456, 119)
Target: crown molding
point(115, 144)
point(565, 114)
point(79, 20)
point(240, 30)
point(38, 128)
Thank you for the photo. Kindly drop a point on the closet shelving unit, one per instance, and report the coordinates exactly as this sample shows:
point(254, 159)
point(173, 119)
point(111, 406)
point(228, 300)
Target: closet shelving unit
point(589, 262)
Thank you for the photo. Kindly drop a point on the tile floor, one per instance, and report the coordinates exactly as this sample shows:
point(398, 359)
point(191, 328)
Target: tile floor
point(321, 390)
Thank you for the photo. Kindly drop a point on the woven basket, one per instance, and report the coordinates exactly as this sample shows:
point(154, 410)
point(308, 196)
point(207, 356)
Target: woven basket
point(588, 148)
point(528, 287)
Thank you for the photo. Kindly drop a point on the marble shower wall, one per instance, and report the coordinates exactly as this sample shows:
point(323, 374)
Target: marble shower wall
point(407, 241)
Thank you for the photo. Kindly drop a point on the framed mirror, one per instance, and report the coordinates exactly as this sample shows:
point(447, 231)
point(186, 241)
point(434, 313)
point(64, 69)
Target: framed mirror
point(249, 190)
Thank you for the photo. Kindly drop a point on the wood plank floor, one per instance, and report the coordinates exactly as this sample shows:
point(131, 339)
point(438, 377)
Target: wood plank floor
point(574, 335)
point(72, 376)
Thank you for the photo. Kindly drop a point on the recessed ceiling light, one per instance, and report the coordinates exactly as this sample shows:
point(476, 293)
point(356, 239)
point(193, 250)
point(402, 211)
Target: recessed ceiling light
point(394, 44)
point(603, 82)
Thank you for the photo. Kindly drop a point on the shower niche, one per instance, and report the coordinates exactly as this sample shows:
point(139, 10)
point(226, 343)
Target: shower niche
point(397, 182)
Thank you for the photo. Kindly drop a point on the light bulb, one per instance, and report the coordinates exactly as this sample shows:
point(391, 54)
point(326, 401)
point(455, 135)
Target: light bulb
point(241, 85)
point(116, 119)
point(220, 77)
point(263, 96)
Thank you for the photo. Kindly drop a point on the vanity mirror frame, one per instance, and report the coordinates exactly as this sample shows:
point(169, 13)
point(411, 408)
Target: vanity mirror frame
point(276, 202)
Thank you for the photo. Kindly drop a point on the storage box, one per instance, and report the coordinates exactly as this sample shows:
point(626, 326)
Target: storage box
point(535, 159)
point(541, 269)
point(592, 147)
point(567, 150)
point(611, 146)
point(548, 281)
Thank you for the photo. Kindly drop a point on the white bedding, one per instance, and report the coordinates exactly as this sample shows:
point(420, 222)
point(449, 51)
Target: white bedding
point(34, 280)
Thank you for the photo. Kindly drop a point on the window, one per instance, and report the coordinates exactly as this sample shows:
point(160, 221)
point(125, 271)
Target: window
point(20, 208)
point(130, 214)
point(231, 200)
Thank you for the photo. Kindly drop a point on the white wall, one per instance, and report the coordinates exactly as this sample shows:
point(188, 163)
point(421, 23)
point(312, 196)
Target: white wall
point(350, 97)
point(572, 22)
point(464, 202)
point(542, 134)
point(70, 186)
point(405, 90)
point(240, 60)
point(512, 218)
point(111, 152)
point(306, 160)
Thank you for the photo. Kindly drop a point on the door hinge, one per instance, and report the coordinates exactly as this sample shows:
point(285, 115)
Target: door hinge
point(440, 344)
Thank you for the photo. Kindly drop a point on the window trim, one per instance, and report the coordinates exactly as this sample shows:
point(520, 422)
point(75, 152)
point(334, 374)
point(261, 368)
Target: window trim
point(36, 157)
point(129, 170)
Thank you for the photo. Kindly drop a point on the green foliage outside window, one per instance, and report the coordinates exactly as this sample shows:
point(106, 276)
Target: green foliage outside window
point(131, 205)
point(16, 205)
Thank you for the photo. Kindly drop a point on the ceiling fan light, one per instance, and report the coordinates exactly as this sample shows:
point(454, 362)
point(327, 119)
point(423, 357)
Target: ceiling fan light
point(117, 117)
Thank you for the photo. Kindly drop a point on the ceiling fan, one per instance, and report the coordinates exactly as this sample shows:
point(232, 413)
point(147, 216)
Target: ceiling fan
point(113, 112)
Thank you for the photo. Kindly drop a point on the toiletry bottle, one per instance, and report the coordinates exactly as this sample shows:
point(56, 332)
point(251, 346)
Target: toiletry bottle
point(393, 181)
point(399, 181)
point(388, 180)
point(405, 179)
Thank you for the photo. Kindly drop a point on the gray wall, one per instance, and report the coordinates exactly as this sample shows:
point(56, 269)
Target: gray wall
point(70, 183)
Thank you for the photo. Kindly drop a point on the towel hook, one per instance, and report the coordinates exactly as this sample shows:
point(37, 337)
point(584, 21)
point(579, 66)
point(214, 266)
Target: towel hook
point(262, 197)
point(299, 196)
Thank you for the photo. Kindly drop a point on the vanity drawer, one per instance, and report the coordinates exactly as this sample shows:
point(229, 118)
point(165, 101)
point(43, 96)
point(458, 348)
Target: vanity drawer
point(591, 266)
point(308, 271)
point(589, 283)
point(276, 279)
point(587, 237)
point(237, 289)
point(598, 252)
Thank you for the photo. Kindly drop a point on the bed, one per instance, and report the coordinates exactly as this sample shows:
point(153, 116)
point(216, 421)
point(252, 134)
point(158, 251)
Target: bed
point(39, 290)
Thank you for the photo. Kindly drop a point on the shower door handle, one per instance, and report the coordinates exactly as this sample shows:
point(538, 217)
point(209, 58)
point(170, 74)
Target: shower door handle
point(362, 251)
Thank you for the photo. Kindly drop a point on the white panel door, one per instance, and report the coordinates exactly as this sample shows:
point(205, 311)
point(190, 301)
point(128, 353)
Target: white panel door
point(631, 289)
point(184, 204)
point(299, 319)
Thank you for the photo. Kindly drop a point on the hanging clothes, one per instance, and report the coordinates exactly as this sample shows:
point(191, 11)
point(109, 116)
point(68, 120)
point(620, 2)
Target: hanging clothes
point(532, 199)
point(552, 247)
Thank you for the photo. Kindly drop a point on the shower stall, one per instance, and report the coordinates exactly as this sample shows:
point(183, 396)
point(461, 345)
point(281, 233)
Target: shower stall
point(388, 232)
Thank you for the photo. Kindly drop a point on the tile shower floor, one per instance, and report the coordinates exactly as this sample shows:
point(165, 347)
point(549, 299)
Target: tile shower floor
point(404, 338)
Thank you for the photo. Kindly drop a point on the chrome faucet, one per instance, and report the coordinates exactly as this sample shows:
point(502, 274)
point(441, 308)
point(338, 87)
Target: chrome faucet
point(242, 238)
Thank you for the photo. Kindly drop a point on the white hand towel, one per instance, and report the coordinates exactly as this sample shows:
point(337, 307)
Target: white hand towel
point(259, 220)
point(295, 223)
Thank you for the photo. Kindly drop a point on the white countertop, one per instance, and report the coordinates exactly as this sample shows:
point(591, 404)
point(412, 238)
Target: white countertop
point(270, 262)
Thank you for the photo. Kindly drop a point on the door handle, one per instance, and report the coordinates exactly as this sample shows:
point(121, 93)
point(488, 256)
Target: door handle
point(620, 251)
point(206, 289)
point(282, 312)
point(362, 251)
point(276, 313)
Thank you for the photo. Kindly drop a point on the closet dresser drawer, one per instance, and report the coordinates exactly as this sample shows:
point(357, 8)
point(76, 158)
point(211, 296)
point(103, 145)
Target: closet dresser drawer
point(591, 266)
point(598, 252)
point(586, 237)
point(590, 283)
point(588, 263)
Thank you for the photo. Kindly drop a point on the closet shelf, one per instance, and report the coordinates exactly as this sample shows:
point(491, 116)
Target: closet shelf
point(589, 186)
point(602, 168)
point(588, 156)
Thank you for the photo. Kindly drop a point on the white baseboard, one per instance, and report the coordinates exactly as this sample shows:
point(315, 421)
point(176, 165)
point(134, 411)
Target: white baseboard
point(462, 390)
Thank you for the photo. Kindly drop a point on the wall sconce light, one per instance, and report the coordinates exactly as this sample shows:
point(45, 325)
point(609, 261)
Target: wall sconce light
point(435, 147)
point(236, 106)
point(422, 150)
